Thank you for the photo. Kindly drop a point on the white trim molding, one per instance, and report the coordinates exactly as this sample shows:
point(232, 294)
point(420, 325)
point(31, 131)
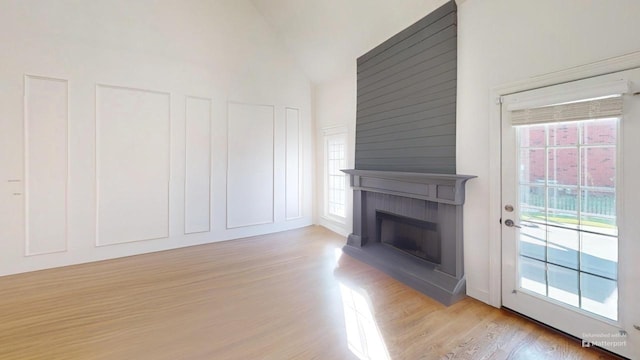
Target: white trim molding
point(228, 225)
point(300, 155)
point(186, 162)
point(26, 161)
point(167, 230)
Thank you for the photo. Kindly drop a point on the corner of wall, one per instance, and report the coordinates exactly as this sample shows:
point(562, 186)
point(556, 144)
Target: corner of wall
point(316, 170)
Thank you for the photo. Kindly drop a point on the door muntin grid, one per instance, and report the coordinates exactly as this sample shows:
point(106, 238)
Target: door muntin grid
point(568, 243)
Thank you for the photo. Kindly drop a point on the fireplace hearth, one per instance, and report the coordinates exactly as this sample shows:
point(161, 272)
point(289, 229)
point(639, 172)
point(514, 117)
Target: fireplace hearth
point(409, 225)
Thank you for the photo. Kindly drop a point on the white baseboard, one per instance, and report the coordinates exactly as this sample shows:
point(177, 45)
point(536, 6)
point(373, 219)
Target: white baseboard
point(478, 294)
point(336, 228)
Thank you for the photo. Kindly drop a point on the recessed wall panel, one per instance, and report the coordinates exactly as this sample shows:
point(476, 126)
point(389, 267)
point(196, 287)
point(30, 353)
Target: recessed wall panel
point(132, 164)
point(46, 144)
point(292, 194)
point(250, 165)
point(198, 165)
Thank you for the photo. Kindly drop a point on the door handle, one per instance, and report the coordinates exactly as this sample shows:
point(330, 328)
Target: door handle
point(510, 223)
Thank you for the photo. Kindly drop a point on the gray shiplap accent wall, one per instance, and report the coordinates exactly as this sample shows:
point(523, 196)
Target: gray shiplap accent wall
point(406, 112)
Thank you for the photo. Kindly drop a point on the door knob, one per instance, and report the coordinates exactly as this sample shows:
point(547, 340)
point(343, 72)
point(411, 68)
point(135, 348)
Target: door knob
point(510, 223)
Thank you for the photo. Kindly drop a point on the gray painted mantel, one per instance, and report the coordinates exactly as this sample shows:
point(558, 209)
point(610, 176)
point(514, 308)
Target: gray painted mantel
point(436, 198)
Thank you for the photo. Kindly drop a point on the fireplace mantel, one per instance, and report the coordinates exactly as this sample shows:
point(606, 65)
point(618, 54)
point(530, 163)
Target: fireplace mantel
point(442, 188)
point(436, 198)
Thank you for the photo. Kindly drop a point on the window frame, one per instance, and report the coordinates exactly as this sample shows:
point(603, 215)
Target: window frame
point(330, 134)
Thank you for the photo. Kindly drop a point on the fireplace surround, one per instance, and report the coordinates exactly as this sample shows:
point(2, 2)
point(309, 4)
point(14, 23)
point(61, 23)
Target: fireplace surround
point(409, 225)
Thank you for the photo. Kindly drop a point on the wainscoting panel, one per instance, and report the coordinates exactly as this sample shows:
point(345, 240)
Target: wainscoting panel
point(46, 164)
point(293, 156)
point(197, 165)
point(250, 165)
point(132, 164)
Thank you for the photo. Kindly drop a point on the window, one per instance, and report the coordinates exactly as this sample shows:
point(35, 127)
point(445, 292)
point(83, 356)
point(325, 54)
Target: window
point(567, 182)
point(335, 179)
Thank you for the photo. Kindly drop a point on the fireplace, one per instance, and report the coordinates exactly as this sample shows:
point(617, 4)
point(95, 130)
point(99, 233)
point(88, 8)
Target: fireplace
point(411, 236)
point(409, 225)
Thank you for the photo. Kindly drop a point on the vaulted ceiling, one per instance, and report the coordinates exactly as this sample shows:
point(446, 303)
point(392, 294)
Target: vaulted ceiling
point(326, 36)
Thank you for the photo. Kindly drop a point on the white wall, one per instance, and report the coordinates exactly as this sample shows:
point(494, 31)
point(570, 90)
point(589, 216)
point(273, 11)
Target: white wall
point(326, 36)
point(502, 42)
point(111, 88)
point(335, 110)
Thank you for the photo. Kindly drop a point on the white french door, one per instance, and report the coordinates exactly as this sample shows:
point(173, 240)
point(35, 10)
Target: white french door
point(570, 238)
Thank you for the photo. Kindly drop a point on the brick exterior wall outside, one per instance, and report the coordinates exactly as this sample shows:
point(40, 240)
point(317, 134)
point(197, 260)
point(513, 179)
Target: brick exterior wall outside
point(598, 163)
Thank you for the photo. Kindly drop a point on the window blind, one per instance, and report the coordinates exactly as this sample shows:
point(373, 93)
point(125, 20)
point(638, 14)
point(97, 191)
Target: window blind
point(583, 110)
point(593, 98)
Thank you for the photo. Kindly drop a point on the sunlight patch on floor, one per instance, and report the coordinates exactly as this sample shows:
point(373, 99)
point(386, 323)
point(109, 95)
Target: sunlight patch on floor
point(363, 335)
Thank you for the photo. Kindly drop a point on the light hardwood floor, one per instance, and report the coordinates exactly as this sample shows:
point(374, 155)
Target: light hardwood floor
point(281, 296)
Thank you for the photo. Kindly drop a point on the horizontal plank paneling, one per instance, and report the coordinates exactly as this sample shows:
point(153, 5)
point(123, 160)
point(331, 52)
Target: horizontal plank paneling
point(412, 54)
point(442, 94)
point(442, 140)
point(442, 44)
point(393, 74)
point(434, 16)
point(423, 78)
point(406, 112)
point(410, 152)
point(411, 126)
point(447, 129)
point(441, 81)
point(436, 166)
point(443, 110)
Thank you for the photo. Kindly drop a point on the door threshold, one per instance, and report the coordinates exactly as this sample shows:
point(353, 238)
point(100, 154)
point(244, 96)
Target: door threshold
point(565, 334)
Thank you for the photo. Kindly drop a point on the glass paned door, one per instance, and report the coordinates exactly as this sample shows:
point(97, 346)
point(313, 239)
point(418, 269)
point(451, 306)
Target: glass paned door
point(570, 237)
point(568, 244)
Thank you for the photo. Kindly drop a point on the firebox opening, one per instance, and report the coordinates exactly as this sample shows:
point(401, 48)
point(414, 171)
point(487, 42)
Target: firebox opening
point(415, 237)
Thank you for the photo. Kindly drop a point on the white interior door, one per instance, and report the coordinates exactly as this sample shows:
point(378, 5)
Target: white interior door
point(570, 235)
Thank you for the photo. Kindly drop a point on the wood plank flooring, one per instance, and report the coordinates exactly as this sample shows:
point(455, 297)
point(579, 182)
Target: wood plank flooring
point(282, 296)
